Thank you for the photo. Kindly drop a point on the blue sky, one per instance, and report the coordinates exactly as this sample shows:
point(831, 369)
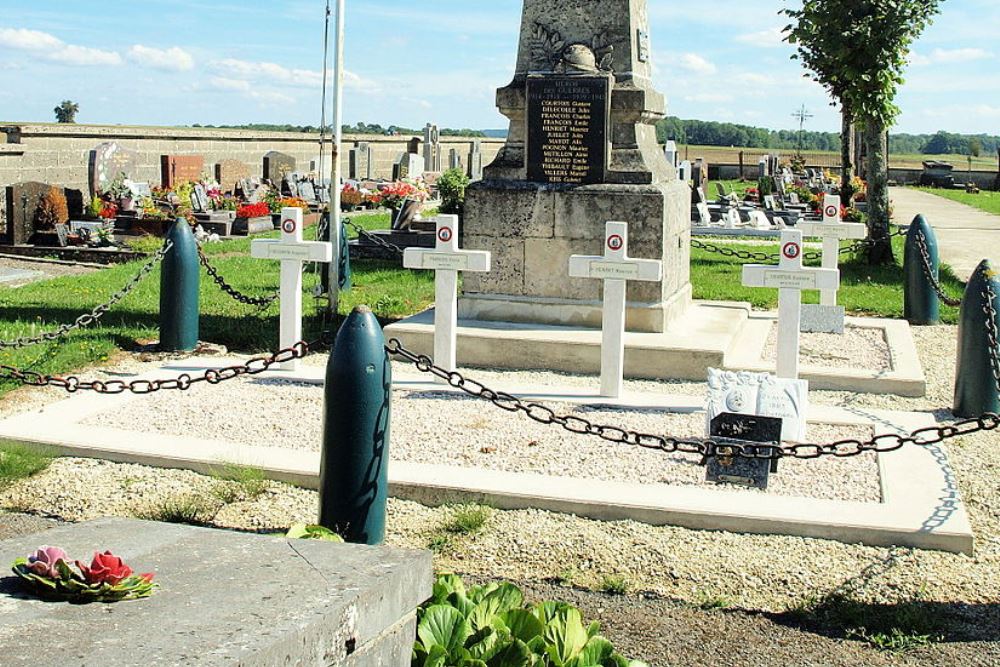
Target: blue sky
point(184, 61)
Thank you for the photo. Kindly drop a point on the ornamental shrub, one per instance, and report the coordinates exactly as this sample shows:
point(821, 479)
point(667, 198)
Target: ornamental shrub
point(451, 186)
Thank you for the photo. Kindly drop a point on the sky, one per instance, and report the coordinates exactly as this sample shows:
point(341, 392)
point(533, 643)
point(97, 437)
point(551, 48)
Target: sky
point(180, 62)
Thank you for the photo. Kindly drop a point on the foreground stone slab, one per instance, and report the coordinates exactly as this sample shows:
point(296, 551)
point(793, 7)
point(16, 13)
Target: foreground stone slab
point(226, 599)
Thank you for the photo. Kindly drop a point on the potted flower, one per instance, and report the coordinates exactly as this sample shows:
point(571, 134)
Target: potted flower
point(393, 194)
point(119, 193)
point(351, 198)
point(253, 218)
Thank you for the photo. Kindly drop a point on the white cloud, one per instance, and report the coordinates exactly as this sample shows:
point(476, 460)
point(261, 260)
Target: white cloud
point(950, 56)
point(172, 59)
point(767, 39)
point(274, 74)
point(49, 47)
point(692, 62)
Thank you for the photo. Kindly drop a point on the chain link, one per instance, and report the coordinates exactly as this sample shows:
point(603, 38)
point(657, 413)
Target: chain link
point(857, 246)
point(992, 335)
point(377, 240)
point(213, 273)
point(925, 264)
point(253, 366)
point(97, 313)
point(705, 448)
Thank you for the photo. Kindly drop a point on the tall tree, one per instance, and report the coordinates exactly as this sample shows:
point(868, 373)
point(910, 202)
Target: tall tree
point(66, 111)
point(867, 69)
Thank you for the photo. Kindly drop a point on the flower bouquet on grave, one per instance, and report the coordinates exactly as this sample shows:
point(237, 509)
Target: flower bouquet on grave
point(48, 575)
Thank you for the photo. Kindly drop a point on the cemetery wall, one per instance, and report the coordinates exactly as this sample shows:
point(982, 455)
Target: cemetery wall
point(59, 154)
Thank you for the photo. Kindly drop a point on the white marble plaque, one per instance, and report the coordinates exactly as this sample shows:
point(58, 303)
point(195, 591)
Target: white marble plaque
point(759, 394)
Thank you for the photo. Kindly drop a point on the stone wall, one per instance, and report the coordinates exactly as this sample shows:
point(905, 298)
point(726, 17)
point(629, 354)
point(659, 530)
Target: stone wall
point(59, 154)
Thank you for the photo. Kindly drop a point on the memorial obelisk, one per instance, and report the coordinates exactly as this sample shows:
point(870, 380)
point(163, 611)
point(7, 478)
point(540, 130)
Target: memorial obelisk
point(581, 151)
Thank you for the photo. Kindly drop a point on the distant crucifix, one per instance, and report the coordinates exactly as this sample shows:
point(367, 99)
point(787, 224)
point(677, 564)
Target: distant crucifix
point(802, 115)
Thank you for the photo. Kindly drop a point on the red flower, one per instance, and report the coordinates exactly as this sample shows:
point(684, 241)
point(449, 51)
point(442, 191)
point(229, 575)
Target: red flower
point(106, 568)
point(258, 210)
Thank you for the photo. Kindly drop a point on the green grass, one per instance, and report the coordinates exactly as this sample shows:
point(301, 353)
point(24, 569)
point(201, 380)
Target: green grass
point(865, 290)
point(19, 462)
point(708, 601)
point(187, 509)
point(986, 200)
point(614, 585)
point(239, 483)
point(468, 519)
point(43, 306)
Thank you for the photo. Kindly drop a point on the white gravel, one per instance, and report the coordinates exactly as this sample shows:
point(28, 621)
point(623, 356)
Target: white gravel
point(859, 347)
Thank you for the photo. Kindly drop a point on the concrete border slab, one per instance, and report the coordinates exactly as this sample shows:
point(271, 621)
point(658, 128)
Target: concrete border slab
point(921, 505)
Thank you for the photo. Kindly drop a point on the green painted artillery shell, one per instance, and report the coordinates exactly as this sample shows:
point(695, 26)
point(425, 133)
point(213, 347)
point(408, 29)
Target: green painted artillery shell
point(975, 387)
point(345, 261)
point(354, 469)
point(180, 277)
point(921, 305)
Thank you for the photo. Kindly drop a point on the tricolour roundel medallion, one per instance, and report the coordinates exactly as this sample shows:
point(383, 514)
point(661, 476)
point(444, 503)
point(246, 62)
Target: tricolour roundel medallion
point(615, 242)
point(288, 226)
point(445, 234)
point(791, 250)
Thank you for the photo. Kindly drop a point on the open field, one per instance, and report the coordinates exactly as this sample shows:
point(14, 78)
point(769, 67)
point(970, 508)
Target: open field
point(723, 155)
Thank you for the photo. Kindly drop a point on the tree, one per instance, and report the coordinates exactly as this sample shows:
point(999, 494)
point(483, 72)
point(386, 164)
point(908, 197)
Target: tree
point(66, 112)
point(873, 39)
point(975, 147)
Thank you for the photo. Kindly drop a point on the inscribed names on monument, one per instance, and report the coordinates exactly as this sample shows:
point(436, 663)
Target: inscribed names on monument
point(568, 129)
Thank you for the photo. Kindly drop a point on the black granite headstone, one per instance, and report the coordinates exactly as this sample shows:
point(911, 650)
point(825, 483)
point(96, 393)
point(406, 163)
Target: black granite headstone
point(568, 118)
point(737, 429)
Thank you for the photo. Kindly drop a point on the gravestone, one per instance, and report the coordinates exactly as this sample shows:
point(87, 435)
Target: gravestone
point(409, 165)
point(670, 152)
point(562, 172)
point(476, 161)
point(684, 171)
point(454, 159)
point(225, 598)
point(307, 191)
point(432, 148)
point(139, 190)
point(738, 430)
point(760, 394)
point(22, 201)
point(277, 165)
point(108, 161)
point(360, 161)
point(230, 172)
point(177, 169)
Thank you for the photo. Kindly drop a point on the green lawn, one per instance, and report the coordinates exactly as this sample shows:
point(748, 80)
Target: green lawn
point(393, 293)
point(985, 200)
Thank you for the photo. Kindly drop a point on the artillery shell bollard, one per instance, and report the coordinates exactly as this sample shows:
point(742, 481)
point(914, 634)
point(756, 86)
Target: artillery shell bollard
point(345, 261)
point(921, 305)
point(354, 471)
point(976, 384)
point(179, 286)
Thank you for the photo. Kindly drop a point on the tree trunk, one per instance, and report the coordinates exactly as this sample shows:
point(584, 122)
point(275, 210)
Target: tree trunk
point(846, 157)
point(876, 148)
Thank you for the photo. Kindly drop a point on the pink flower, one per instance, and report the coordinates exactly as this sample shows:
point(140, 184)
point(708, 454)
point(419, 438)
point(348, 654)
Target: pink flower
point(43, 562)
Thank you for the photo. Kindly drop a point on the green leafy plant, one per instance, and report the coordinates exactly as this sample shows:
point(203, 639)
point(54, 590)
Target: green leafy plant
point(490, 626)
point(451, 186)
point(302, 531)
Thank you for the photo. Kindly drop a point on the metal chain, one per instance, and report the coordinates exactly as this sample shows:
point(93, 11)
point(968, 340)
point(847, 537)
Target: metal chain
point(766, 257)
point(992, 335)
point(705, 448)
point(361, 231)
point(254, 366)
point(97, 313)
point(213, 273)
point(925, 264)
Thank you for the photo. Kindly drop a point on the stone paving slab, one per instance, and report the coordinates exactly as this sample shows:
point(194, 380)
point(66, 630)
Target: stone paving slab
point(226, 598)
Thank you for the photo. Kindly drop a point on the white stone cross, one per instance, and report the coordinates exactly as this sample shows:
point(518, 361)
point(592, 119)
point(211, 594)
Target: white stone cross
point(615, 268)
point(446, 260)
point(790, 278)
point(832, 230)
point(293, 252)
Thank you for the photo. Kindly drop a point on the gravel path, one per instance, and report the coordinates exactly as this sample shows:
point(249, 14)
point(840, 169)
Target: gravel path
point(753, 572)
point(472, 437)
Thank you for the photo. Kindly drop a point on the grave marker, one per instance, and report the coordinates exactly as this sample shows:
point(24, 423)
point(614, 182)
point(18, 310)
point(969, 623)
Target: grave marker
point(230, 172)
point(292, 251)
point(740, 429)
point(277, 165)
point(108, 161)
point(446, 260)
point(789, 278)
point(176, 169)
point(760, 394)
point(828, 317)
point(615, 268)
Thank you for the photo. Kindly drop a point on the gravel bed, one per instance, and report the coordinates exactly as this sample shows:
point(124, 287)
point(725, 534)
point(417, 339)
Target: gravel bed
point(753, 572)
point(859, 347)
point(445, 428)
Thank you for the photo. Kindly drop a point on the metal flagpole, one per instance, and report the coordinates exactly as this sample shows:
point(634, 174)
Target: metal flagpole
point(338, 135)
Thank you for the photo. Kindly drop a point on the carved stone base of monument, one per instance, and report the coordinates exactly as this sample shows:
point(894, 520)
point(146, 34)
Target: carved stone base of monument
point(532, 230)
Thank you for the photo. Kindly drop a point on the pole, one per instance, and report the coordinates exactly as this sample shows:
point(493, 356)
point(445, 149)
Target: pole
point(338, 136)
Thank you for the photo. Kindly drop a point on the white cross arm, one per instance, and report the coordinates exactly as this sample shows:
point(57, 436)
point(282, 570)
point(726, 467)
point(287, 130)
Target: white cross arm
point(760, 275)
point(476, 261)
point(585, 266)
point(835, 230)
point(310, 251)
